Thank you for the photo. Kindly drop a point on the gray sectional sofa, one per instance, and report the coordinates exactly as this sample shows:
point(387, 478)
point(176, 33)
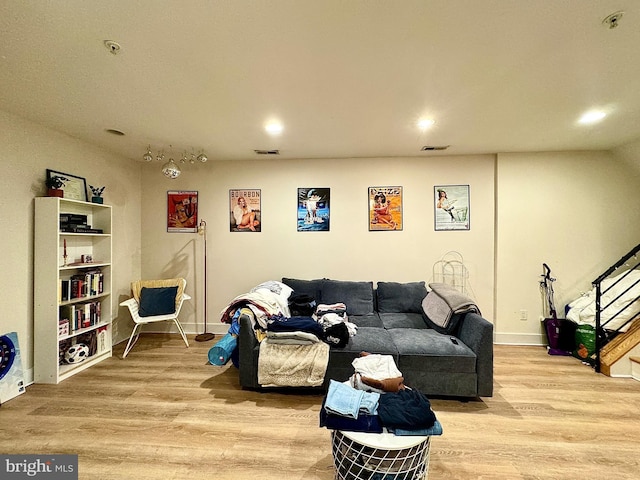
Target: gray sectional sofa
point(451, 361)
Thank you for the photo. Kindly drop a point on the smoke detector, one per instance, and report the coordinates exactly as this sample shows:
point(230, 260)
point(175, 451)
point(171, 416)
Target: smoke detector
point(613, 20)
point(112, 46)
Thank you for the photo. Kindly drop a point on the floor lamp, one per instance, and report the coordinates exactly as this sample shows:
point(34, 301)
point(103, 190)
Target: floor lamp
point(205, 336)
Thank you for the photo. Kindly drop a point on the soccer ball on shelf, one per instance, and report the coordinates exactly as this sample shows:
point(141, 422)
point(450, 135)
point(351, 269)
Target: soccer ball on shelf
point(76, 353)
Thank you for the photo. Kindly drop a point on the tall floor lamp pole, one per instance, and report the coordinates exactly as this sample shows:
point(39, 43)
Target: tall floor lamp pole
point(205, 336)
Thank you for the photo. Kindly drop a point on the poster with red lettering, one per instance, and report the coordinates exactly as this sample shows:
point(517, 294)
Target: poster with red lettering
point(182, 211)
point(244, 210)
point(385, 208)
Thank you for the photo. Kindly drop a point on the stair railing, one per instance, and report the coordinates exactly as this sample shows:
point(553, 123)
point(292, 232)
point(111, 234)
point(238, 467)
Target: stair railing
point(602, 334)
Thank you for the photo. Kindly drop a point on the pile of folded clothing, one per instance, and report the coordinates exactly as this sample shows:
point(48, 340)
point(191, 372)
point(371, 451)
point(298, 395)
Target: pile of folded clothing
point(375, 400)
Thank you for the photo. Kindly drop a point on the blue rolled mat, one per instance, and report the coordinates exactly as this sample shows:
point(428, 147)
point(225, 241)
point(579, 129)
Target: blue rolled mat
point(220, 353)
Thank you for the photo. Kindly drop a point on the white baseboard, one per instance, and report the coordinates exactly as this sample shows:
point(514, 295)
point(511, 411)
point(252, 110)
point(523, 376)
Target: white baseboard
point(529, 339)
point(189, 328)
point(532, 339)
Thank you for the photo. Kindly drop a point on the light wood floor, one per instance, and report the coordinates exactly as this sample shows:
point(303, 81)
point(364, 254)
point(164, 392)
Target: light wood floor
point(164, 413)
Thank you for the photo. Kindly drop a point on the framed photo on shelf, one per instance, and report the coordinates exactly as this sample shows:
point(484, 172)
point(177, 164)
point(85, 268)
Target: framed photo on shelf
point(182, 211)
point(74, 187)
point(385, 208)
point(313, 209)
point(244, 210)
point(452, 207)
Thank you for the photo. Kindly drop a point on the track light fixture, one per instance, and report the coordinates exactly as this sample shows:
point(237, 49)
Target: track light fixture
point(170, 169)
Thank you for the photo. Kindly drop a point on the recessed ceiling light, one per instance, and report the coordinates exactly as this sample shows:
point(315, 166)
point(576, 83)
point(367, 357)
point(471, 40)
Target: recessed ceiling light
point(425, 123)
point(592, 116)
point(274, 128)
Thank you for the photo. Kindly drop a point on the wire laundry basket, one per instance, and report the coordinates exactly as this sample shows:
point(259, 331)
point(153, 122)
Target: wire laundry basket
point(355, 459)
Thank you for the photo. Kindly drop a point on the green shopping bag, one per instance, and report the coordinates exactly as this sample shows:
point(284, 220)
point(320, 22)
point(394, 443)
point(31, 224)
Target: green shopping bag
point(585, 349)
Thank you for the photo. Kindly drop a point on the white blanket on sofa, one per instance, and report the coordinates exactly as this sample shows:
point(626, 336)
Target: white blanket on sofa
point(290, 365)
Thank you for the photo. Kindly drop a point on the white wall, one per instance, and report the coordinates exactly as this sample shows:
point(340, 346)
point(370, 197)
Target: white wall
point(238, 261)
point(629, 153)
point(576, 211)
point(570, 210)
point(27, 150)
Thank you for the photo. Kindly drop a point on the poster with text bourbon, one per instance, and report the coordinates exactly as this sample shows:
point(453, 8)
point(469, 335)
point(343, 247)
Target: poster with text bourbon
point(245, 211)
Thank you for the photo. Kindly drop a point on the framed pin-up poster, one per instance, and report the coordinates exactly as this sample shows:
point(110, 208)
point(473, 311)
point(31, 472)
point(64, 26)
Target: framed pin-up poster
point(182, 211)
point(245, 211)
point(452, 207)
point(313, 209)
point(385, 208)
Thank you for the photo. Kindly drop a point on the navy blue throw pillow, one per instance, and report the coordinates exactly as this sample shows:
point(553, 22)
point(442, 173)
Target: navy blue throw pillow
point(157, 301)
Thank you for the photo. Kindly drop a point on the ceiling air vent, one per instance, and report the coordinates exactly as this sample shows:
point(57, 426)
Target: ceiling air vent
point(429, 148)
point(267, 152)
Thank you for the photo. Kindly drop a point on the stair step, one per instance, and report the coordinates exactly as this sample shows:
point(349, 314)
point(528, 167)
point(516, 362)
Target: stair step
point(617, 348)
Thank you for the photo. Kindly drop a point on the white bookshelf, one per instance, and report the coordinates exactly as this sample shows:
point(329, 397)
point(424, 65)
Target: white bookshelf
point(50, 271)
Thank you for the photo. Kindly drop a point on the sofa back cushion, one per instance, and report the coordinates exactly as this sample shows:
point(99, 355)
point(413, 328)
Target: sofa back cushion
point(394, 297)
point(307, 287)
point(357, 296)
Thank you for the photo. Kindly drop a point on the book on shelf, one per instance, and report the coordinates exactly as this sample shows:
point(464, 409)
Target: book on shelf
point(80, 285)
point(63, 327)
point(83, 315)
point(65, 289)
point(77, 286)
point(81, 229)
point(68, 312)
point(75, 223)
point(67, 218)
point(101, 334)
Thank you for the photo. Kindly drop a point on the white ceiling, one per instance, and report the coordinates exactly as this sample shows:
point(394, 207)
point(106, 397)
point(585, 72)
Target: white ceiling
point(347, 78)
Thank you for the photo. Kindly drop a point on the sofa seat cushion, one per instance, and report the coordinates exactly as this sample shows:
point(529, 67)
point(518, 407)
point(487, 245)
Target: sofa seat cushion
point(372, 340)
point(357, 296)
point(403, 320)
point(371, 320)
point(368, 339)
point(430, 351)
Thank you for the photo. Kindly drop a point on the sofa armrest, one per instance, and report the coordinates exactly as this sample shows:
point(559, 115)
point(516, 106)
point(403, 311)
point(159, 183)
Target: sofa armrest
point(477, 333)
point(248, 356)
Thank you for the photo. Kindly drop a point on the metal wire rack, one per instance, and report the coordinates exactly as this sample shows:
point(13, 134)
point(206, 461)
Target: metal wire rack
point(451, 270)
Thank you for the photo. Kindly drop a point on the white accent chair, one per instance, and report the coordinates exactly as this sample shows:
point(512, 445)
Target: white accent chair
point(133, 304)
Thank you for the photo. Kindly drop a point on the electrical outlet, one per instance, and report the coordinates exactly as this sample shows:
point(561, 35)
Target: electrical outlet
point(524, 315)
